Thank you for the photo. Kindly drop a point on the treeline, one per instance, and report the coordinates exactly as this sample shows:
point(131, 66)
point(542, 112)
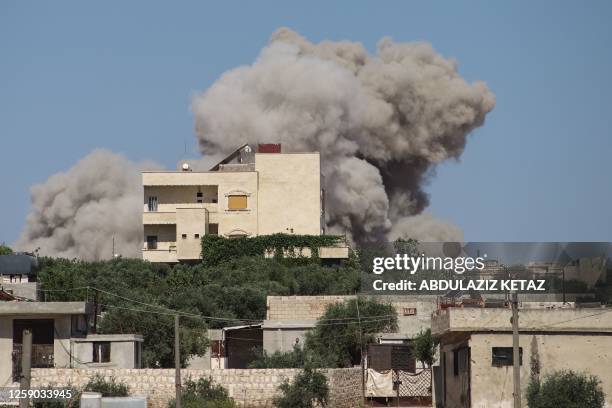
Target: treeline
point(232, 291)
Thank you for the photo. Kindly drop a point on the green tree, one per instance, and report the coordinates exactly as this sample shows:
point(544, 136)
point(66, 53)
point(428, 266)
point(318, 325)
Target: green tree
point(347, 328)
point(425, 346)
point(308, 389)
point(234, 289)
point(566, 389)
point(5, 250)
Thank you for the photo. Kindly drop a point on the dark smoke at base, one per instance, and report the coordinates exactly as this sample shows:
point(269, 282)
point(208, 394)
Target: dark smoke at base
point(381, 122)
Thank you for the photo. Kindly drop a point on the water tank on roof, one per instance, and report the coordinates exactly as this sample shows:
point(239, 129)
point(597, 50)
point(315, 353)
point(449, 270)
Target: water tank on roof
point(269, 148)
point(18, 264)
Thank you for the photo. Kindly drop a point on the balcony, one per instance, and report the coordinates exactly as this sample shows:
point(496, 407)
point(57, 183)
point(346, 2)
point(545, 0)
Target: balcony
point(158, 218)
point(160, 255)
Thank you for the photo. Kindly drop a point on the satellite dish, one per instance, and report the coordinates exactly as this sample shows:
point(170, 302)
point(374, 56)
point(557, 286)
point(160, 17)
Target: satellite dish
point(247, 149)
point(185, 166)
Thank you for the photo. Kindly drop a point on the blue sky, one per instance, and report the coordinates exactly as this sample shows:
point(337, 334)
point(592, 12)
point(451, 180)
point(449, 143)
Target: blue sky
point(79, 75)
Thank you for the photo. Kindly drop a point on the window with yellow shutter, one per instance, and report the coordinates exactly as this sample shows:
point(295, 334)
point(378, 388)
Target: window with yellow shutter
point(237, 202)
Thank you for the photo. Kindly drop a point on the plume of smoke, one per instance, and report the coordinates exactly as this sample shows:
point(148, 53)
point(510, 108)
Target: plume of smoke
point(381, 122)
point(76, 214)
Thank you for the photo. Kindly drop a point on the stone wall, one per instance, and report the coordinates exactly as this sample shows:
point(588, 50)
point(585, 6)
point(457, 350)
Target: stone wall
point(300, 307)
point(249, 388)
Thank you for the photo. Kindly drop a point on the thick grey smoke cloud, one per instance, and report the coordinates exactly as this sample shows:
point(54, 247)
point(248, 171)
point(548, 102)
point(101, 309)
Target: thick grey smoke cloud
point(381, 122)
point(76, 214)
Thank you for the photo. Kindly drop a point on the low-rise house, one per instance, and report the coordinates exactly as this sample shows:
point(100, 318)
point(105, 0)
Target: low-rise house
point(476, 354)
point(61, 338)
point(107, 350)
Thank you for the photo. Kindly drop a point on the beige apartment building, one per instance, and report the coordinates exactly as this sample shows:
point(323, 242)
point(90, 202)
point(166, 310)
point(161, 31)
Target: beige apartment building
point(253, 191)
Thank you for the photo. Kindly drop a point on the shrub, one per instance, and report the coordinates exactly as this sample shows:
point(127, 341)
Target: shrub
point(309, 388)
point(203, 393)
point(566, 389)
point(217, 249)
point(109, 388)
point(291, 359)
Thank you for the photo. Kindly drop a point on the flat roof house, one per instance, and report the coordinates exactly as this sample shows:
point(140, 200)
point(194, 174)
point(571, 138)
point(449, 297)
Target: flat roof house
point(251, 192)
point(60, 338)
point(476, 350)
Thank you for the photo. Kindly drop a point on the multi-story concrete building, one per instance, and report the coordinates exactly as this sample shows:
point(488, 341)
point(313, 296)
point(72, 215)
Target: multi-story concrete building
point(249, 193)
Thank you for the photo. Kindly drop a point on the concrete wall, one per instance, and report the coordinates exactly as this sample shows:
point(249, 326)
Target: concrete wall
point(492, 386)
point(191, 222)
point(122, 354)
point(27, 290)
point(249, 388)
point(305, 308)
point(283, 338)
point(289, 193)
point(476, 319)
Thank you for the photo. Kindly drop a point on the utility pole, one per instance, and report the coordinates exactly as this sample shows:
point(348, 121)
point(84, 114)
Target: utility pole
point(26, 365)
point(363, 379)
point(95, 316)
point(177, 361)
point(516, 358)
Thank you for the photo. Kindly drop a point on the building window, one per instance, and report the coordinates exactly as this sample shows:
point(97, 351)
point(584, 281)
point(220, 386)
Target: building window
point(410, 311)
point(213, 229)
point(152, 203)
point(502, 356)
point(151, 241)
point(196, 236)
point(237, 202)
point(184, 236)
point(199, 194)
point(101, 351)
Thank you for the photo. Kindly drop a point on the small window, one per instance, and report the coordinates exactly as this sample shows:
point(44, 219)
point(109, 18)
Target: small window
point(213, 229)
point(151, 241)
point(152, 203)
point(184, 236)
point(101, 351)
point(199, 200)
point(196, 236)
point(503, 356)
point(199, 194)
point(410, 311)
point(214, 200)
point(237, 202)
